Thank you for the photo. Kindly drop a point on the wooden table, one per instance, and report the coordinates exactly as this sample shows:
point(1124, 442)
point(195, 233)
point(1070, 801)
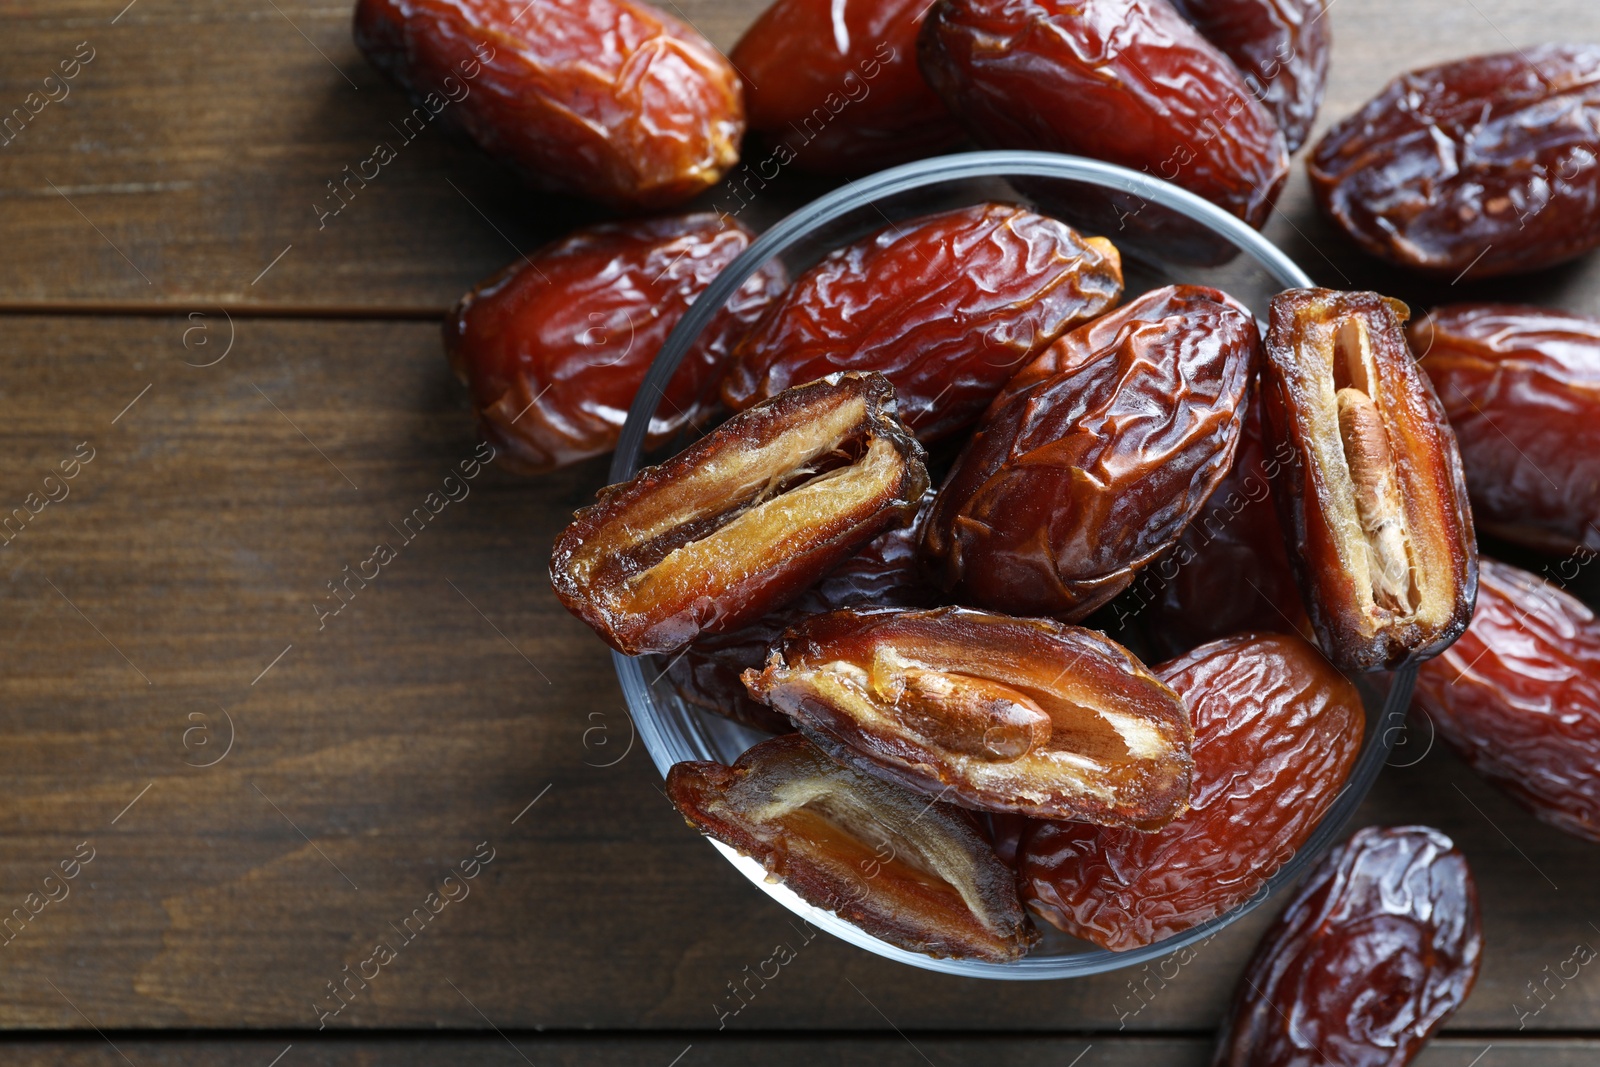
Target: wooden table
point(251, 800)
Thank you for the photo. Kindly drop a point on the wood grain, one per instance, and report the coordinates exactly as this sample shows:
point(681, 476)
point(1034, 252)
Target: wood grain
point(380, 750)
point(195, 147)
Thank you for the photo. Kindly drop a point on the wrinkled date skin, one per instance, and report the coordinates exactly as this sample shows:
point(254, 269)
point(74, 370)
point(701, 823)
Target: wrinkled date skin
point(1096, 456)
point(1486, 163)
point(1518, 696)
point(1229, 572)
point(884, 574)
point(553, 348)
point(608, 99)
point(1380, 945)
point(1374, 503)
point(836, 83)
point(1521, 386)
point(1126, 81)
point(990, 712)
point(743, 521)
point(1281, 47)
point(947, 307)
point(1276, 731)
point(917, 875)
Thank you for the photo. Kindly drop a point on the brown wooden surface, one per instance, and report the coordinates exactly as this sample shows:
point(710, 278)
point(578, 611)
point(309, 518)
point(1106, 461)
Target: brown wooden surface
point(379, 751)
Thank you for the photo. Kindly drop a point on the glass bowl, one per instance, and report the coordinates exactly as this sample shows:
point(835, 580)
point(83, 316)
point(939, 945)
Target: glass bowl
point(673, 732)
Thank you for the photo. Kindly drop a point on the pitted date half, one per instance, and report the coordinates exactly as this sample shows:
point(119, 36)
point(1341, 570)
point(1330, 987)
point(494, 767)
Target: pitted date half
point(886, 573)
point(1374, 503)
point(836, 83)
point(1280, 46)
point(1486, 164)
point(1521, 386)
point(1127, 81)
point(1094, 458)
point(1378, 948)
point(555, 346)
point(990, 712)
point(608, 99)
point(744, 520)
point(915, 874)
point(1276, 731)
point(947, 307)
point(1229, 572)
point(1518, 697)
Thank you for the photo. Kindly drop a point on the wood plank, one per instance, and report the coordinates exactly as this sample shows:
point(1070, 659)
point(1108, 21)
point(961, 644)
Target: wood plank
point(193, 148)
point(373, 755)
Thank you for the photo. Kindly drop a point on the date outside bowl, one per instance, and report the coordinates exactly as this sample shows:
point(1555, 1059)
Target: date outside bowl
point(1142, 213)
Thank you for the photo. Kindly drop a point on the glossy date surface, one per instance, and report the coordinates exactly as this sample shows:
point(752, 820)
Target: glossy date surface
point(744, 520)
point(1126, 81)
point(947, 306)
point(1518, 696)
point(1094, 458)
point(1487, 163)
point(1374, 501)
point(1521, 387)
point(1380, 945)
point(1280, 46)
point(554, 347)
point(608, 99)
point(987, 711)
point(836, 83)
point(1276, 732)
point(916, 874)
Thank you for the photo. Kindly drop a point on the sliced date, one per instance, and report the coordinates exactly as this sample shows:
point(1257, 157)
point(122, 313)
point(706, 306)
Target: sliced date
point(1378, 948)
point(554, 347)
point(1276, 732)
point(990, 712)
point(915, 874)
point(743, 521)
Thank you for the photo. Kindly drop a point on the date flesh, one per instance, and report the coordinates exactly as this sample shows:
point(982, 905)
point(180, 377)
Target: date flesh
point(1521, 386)
point(1374, 503)
point(885, 573)
point(1280, 46)
point(947, 307)
point(915, 874)
point(1485, 164)
point(1126, 81)
point(836, 83)
point(1518, 697)
point(1378, 948)
point(1094, 458)
point(990, 712)
point(607, 99)
point(1276, 732)
point(554, 347)
point(744, 520)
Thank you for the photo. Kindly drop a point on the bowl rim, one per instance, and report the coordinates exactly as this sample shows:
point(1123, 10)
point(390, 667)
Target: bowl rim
point(670, 742)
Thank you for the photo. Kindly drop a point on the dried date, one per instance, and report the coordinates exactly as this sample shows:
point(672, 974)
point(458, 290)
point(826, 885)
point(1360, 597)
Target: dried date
point(915, 874)
point(1374, 503)
point(744, 520)
point(1380, 945)
point(947, 307)
point(1484, 164)
point(554, 347)
point(990, 712)
point(1280, 46)
point(1094, 458)
point(1127, 81)
point(1276, 732)
point(608, 99)
point(835, 82)
point(1521, 386)
point(1518, 697)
